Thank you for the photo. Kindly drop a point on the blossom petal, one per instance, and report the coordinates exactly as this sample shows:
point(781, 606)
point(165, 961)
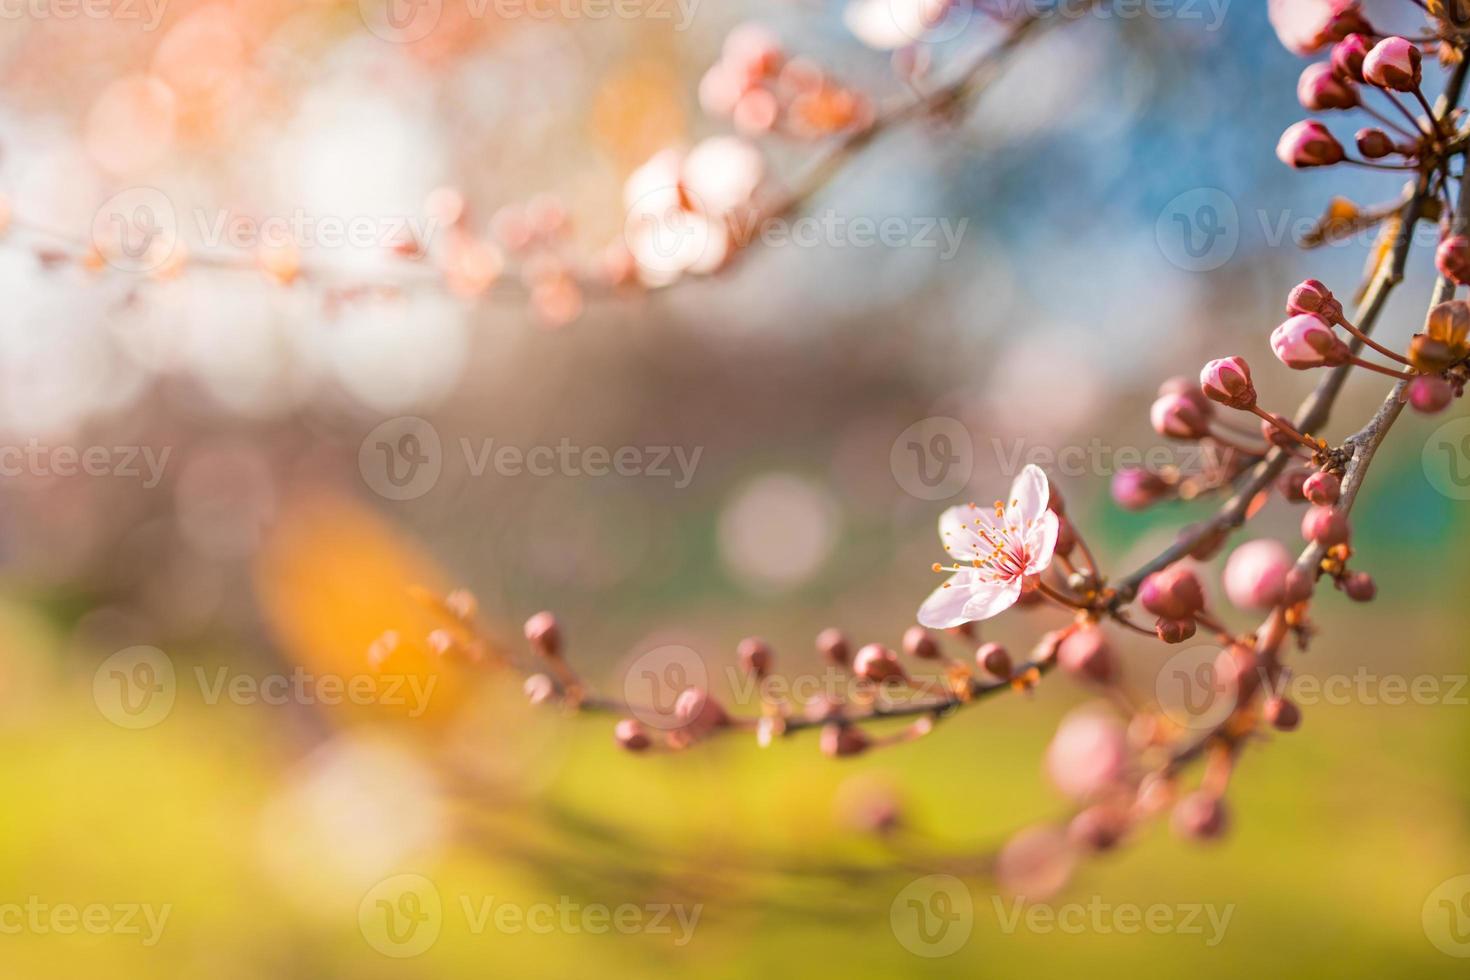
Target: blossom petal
point(1030, 493)
point(1041, 542)
point(991, 598)
point(889, 24)
point(945, 606)
point(957, 532)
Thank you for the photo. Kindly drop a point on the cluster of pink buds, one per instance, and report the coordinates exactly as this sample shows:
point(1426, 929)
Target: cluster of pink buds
point(1393, 66)
point(760, 90)
point(1182, 412)
point(878, 675)
point(1433, 364)
point(473, 261)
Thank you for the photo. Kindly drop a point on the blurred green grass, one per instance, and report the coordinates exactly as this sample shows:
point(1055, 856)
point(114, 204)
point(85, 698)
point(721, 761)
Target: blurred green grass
point(1341, 831)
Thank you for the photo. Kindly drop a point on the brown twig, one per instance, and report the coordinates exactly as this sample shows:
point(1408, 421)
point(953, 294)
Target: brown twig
point(965, 85)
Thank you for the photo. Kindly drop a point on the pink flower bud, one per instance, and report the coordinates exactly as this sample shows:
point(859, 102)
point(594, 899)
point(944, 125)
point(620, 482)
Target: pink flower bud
point(1311, 296)
point(1308, 144)
point(1030, 597)
point(839, 740)
point(1173, 592)
point(1374, 144)
point(918, 643)
point(1174, 630)
point(1088, 753)
point(1394, 64)
point(699, 713)
point(1098, 828)
point(1281, 714)
point(995, 660)
point(1227, 380)
point(752, 52)
point(877, 663)
point(631, 735)
point(832, 645)
point(1136, 489)
point(1326, 526)
point(869, 806)
point(1322, 488)
point(1430, 394)
point(1360, 587)
point(1035, 864)
point(1066, 538)
point(539, 689)
point(1181, 385)
point(1299, 587)
point(1200, 816)
point(1255, 574)
point(1304, 341)
point(1452, 259)
point(1086, 654)
point(544, 634)
point(1348, 55)
point(822, 707)
point(1055, 502)
point(755, 656)
point(1291, 481)
point(1177, 417)
point(1321, 88)
point(1307, 26)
